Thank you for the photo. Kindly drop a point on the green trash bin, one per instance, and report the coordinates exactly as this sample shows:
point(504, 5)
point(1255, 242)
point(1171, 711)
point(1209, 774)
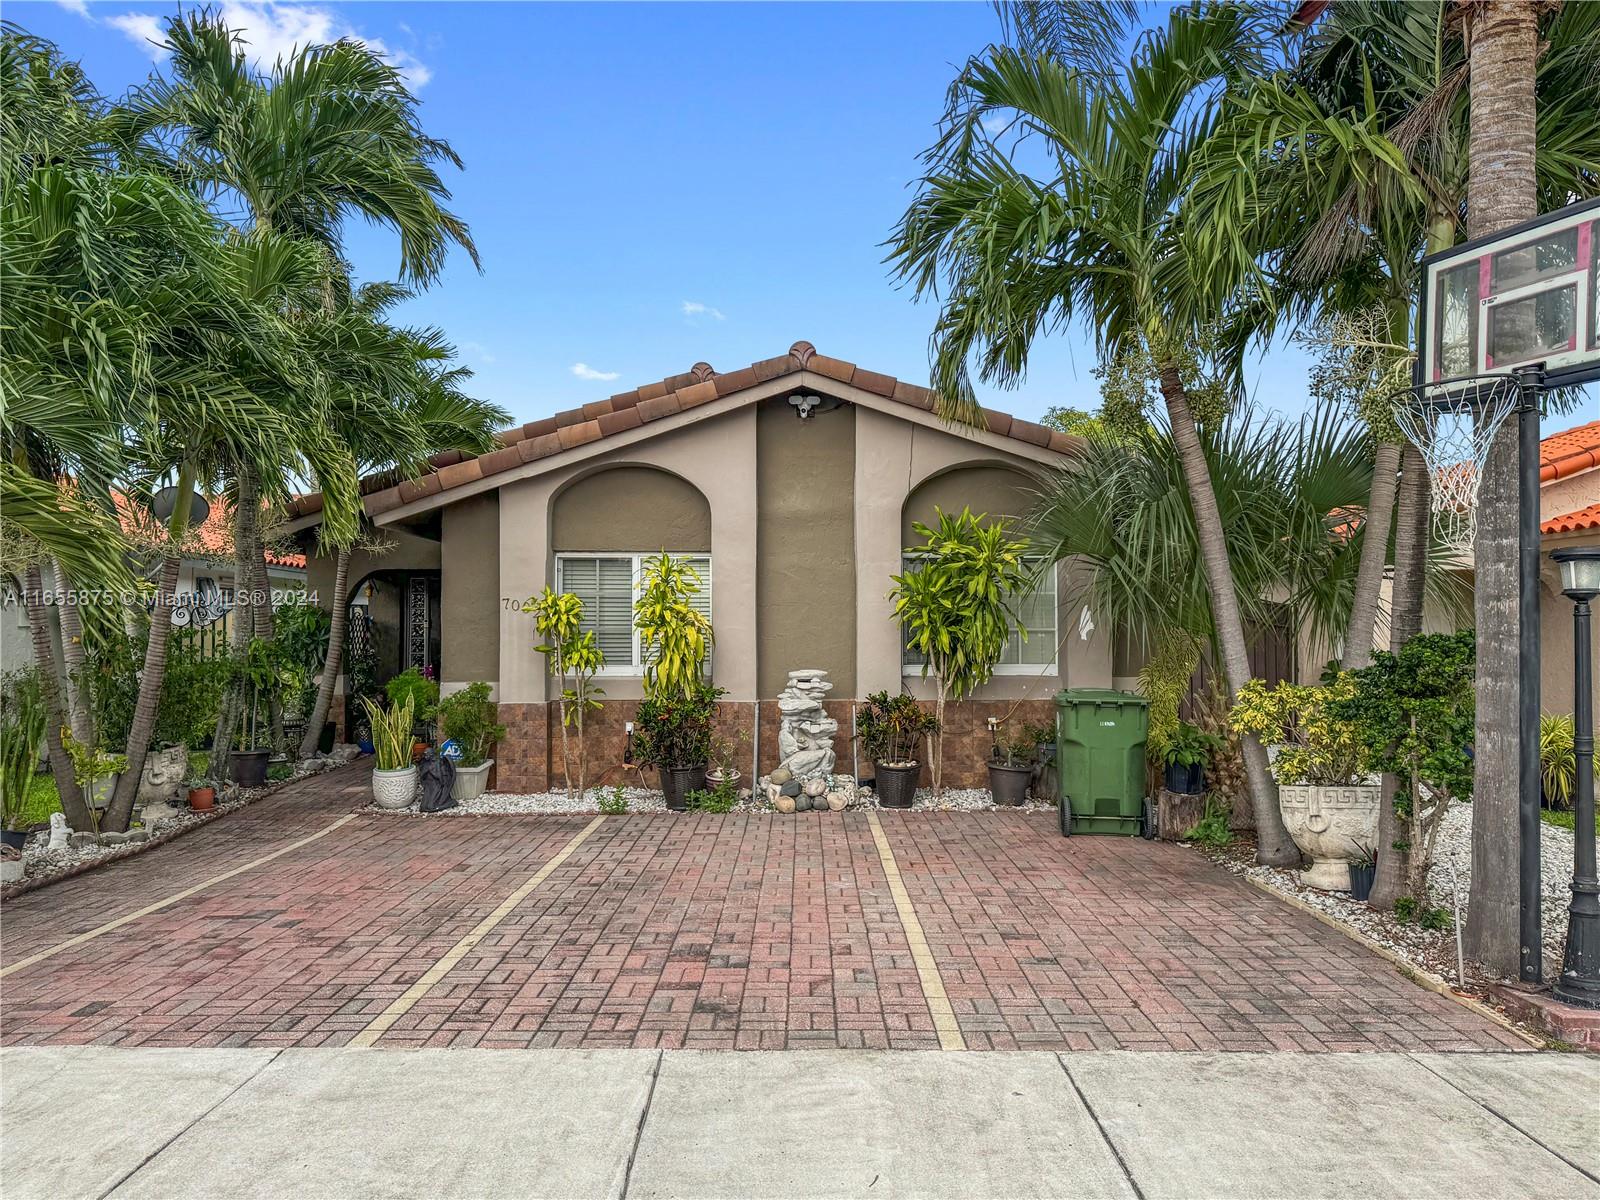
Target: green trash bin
point(1100, 737)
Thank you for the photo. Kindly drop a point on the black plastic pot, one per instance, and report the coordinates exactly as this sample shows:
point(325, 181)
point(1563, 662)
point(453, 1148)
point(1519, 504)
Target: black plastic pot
point(15, 838)
point(1009, 785)
point(897, 786)
point(1185, 780)
point(678, 782)
point(248, 768)
point(1361, 880)
point(325, 738)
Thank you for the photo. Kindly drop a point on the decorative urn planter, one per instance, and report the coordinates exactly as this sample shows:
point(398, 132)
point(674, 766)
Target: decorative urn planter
point(161, 781)
point(394, 789)
point(1333, 824)
point(471, 781)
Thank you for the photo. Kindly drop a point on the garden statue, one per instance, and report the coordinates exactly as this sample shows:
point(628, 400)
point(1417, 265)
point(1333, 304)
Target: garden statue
point(162, 779)
point(60, 831)
point(805, 730)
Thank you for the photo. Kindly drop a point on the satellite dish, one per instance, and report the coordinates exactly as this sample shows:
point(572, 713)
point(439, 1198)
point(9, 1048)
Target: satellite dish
point(165, 500)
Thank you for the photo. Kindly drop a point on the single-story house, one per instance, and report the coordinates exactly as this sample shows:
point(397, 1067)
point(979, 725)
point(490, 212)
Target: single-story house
point(1569, 515)
point(792, 484)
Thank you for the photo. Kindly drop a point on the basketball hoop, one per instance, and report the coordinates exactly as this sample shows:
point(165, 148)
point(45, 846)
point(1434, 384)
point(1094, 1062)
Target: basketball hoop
point(1454, 432)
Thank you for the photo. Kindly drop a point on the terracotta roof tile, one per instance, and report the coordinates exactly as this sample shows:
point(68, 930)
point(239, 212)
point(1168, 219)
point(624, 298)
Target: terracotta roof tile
point(1569, 452)
point(616, 422)
point(657, 407)
point(1565, 453)
point(1573, 522)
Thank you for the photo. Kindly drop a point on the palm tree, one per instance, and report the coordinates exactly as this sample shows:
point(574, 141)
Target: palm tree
point(325, 133)
point(1098, 239)
point(397, 402)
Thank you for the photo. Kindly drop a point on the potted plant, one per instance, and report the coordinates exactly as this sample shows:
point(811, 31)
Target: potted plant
point(890, 729)
point(247, 765)
point(1363, 873)
point(420, 687)
point(202, 796)
point(957, 606)
point(21, 731)
point(575, 657)
point(672, 733)
point(394, 781)
point(723, 751)
point(469, 721)
point(1011, 766)
point(1185, 756)
point(1326, 791)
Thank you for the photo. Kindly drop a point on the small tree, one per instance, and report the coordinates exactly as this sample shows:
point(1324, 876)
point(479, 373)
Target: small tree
point(956, 606)
point(674, 636)
point(575, 657)
point(1414, 712)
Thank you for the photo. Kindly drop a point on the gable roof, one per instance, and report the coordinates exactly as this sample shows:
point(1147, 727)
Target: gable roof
point(1570, 452)
point(601, 419)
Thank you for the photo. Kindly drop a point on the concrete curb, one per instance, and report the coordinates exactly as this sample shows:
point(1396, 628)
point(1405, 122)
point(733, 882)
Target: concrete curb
point(1410, 970)
point(160, 839)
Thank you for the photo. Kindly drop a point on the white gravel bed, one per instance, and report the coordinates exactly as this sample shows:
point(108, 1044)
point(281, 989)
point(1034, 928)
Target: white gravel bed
point(643, 800)
point(970, 800)
point(1433, 950)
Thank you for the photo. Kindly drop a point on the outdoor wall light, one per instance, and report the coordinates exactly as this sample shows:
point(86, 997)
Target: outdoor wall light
point(1580, 571)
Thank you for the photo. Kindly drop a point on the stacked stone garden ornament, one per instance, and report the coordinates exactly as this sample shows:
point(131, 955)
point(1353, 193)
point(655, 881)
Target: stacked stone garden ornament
point(804, 780)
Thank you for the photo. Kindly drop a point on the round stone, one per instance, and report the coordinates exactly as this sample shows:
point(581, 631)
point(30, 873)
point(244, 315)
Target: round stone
point(792, 788)
point(802, 804)
point(836, 801)
point(784, 804)
point(815, 788)
point(780, 776)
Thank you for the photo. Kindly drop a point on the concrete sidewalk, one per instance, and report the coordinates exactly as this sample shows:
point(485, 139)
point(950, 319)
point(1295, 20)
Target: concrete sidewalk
point(343, 1124)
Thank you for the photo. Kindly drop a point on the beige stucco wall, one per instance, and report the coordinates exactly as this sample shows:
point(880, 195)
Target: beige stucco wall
point(629, 510)
point(805, 574)
point(894, 458)
point(469, 598)
point(718, 459)
point(993, 492)
point(388, 548)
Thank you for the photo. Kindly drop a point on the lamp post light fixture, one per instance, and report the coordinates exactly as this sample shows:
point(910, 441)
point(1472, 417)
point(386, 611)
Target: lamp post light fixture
point(1580, 968)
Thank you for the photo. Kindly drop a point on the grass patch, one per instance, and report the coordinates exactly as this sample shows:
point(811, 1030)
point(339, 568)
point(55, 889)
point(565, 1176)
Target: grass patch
point(1565, 819)
point(43, 799)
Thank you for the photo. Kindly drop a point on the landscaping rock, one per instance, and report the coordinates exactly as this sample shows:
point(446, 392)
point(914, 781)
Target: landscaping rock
point(802, 804)
point(784, 804)
point(837, 801)
point(816, 787)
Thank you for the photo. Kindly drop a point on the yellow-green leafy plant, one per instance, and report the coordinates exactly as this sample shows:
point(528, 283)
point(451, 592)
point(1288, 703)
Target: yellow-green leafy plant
point(1558, 759)
point(575, 658)
point(1313, 746)
point(1164, 681)
point(391, 732)
point(674, 636)
point(89, 766)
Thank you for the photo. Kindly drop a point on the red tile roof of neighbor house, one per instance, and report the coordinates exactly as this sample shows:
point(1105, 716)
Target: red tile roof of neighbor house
point(1573, 522)
point(701, 384)
point(1570, 452)
point(212, 539)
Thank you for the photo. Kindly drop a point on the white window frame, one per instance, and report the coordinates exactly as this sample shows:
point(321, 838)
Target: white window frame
point(913, 670)
point(635, 669)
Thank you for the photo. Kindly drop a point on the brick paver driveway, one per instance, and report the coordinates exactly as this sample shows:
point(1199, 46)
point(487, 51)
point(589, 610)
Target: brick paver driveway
point(698, 931)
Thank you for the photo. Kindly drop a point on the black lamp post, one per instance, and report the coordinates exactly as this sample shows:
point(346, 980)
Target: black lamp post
point(1580, 969)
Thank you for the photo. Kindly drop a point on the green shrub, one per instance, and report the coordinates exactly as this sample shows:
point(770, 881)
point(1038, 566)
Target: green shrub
point(422, 692)
point(672, 732)
point(719, 799)
point(469, 720)
point(614, 803)
point(891, 728)
point(1212, 829)
point(21, 731)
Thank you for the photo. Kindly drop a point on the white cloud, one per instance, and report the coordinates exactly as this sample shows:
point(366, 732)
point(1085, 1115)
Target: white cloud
point(585, 371)
point(478, 351)
point(270, 32)
point(693, 308)
point(81, 7)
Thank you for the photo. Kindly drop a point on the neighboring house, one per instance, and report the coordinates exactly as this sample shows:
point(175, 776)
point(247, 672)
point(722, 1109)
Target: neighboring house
point(792, 484)
point(205, 580)
point(1569, 515)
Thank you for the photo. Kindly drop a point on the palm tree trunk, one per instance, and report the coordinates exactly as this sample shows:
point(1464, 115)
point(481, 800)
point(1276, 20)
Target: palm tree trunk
point(80, 715)
point(1273, 844)
point(1374, 554)
point(155, 662)
point(266, 629)
point(72, 803)
point(334, 661)
point(1412, 530)
point(1502, 45)
point(241, 624)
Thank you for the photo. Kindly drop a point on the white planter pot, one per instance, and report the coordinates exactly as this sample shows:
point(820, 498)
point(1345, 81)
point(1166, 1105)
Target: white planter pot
point(471, 781)
point(162, 780)
point(1335, 825)
point(394, 789)
point(100, 796)
point(10, 870)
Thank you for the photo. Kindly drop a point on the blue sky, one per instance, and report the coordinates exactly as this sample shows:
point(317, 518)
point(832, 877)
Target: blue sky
point(654, 185)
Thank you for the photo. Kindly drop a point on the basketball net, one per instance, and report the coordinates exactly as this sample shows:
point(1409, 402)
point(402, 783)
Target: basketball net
point(1454, 434)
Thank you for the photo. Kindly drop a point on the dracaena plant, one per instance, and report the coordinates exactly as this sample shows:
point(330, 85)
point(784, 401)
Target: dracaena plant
point(674, 637)
point(575, 658)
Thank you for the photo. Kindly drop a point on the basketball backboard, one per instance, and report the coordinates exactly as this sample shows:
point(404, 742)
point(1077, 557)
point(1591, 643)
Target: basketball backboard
point(1525, 295)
